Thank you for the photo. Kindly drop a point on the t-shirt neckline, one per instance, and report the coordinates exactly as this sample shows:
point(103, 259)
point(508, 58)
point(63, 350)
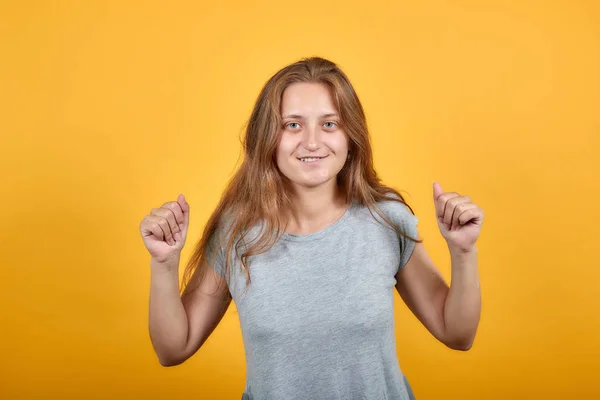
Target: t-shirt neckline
point(302, 237)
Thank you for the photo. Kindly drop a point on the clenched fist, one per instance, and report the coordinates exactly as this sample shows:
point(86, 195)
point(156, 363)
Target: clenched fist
point(165, 229)
point(459, 219)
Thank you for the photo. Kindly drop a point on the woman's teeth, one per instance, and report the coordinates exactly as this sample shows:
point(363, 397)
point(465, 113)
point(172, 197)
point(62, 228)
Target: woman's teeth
point(310, 159)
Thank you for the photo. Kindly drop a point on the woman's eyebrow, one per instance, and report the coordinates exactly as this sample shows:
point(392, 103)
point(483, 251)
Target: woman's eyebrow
point(298, 116)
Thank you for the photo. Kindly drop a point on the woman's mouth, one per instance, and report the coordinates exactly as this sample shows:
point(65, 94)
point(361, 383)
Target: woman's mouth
point(311, 159)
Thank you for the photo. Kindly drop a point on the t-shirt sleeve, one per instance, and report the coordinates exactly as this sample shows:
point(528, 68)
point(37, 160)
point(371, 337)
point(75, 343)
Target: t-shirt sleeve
point(407, 222)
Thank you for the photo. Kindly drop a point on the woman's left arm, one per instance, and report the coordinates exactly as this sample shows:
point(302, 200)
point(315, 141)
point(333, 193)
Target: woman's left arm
point(450, 313)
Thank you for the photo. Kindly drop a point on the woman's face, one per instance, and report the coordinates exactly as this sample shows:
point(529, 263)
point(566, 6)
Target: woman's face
point(312, 147)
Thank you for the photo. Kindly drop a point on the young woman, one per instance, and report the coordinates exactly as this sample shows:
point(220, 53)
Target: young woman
point(310, 245)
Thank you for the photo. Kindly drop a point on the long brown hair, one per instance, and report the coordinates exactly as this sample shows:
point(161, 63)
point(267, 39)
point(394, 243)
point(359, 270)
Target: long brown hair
point(257, 192)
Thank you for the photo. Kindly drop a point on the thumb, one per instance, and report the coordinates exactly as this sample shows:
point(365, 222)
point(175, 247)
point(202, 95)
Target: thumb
point(437, 192)
point(184, 205)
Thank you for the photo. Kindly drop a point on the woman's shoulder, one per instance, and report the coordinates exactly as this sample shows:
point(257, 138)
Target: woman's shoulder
point(393, 207)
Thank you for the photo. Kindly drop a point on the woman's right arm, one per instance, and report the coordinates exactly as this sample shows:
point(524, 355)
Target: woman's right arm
point(180, 325)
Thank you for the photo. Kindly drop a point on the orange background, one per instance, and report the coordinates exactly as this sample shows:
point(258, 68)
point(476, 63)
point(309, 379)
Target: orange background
point(111, 108)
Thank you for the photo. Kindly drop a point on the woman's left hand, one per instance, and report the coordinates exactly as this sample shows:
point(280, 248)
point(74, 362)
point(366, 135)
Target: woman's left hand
point(458, 218)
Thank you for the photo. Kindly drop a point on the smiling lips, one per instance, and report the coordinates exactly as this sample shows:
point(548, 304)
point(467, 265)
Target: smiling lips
point(311, 159)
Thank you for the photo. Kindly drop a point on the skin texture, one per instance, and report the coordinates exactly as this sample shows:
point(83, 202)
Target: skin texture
point(311, 129)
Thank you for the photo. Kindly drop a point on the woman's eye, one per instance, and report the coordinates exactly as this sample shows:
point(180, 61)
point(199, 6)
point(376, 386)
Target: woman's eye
point(292, 125)
point(331, 124)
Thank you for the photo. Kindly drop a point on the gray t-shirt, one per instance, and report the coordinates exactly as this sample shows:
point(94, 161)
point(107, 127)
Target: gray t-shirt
point(317, 318)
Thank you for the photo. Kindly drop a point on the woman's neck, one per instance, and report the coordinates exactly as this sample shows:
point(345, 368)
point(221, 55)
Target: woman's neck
point(314, 209)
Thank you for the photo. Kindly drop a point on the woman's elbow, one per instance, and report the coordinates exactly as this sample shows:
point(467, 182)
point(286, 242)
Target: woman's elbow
point(460, 344)
point(170, 361)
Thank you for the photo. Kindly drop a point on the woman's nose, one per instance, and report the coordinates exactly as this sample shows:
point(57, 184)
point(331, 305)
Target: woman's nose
point(311, 139)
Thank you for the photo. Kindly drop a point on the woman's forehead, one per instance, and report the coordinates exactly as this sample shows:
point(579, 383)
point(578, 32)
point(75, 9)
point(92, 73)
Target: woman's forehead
point(307, 99)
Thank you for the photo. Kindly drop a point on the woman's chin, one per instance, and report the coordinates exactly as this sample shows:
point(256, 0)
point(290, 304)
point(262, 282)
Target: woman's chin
point(313, 183)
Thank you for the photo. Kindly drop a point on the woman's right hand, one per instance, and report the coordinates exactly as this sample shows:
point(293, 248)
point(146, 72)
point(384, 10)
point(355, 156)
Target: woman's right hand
point(165, 229)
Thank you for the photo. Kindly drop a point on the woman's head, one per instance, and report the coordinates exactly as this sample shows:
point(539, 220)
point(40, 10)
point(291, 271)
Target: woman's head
point(312, 144)
point(307, 109)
